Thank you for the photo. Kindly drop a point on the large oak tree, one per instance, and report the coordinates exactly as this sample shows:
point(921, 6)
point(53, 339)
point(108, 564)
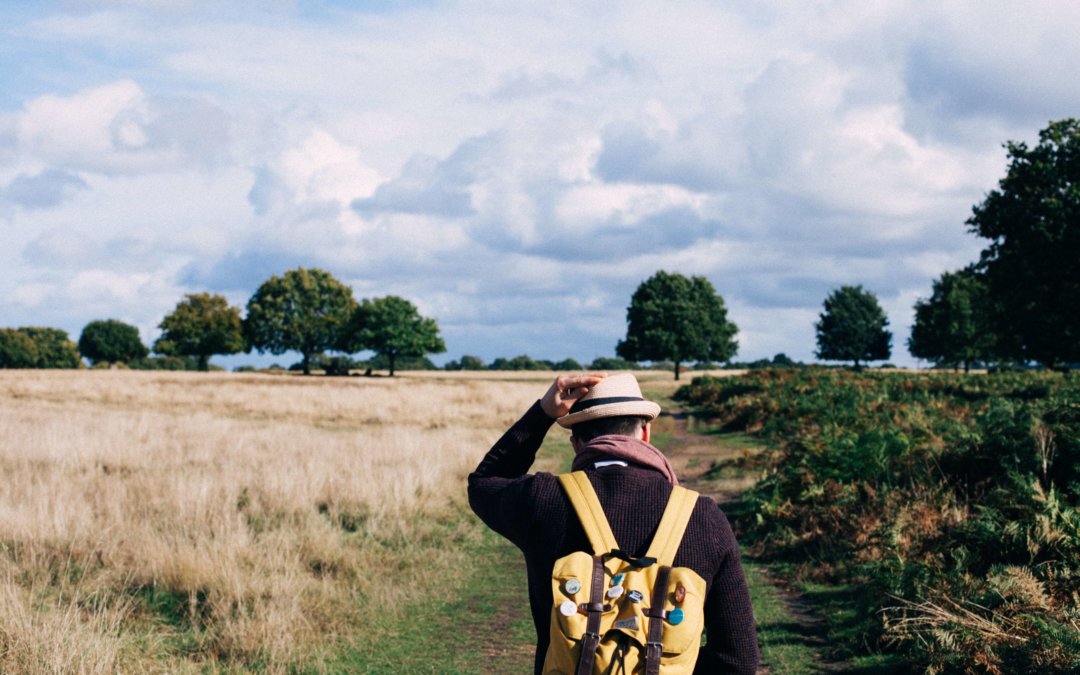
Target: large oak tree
point(952, 327)
point(201, 325)
point(853, 327)
point(111, 341)
point(303, 310)
point(1033, 223)
point(676, 318)
point(392, 328)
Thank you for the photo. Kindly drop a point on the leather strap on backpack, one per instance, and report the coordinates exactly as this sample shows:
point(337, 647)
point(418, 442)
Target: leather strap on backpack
point(654, 648)
point(594, 609)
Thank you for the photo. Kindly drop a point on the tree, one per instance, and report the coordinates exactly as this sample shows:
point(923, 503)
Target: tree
point(1033, 223)
point(566, 365)
point(467, 362)
point(521, 362)
point(612, 363)
point(382, 362)
point(679, 319)
point(782, 360)
point(55, 349)
point(201, 325)
point(952, 326)
point(303, 310)
point(17, 349)
point(111, 341)
point(391, 327)
point(853, 327)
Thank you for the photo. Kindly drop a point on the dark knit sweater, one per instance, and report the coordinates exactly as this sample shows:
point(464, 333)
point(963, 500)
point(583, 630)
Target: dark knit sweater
point(533, 512)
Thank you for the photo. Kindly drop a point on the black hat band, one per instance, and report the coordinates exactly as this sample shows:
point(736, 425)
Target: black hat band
point(583, 404)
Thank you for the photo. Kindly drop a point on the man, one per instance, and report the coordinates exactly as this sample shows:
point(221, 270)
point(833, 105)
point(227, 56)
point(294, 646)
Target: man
point(610, 423)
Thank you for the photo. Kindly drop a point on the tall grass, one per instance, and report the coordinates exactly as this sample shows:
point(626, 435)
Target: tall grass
point(952, 501)
point(180, 521)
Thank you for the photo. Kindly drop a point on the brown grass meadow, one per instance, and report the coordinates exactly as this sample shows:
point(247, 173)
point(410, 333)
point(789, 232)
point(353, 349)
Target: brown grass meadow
point(185, 522)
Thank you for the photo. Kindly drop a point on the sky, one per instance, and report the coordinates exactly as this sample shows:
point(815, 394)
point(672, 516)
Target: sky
point(515, 170)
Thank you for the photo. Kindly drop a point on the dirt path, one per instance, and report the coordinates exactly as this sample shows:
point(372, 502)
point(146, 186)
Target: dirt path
point(700, 460)
point(716, 465)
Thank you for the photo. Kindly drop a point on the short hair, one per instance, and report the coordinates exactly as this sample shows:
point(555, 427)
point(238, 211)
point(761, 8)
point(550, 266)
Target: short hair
point(618, 425)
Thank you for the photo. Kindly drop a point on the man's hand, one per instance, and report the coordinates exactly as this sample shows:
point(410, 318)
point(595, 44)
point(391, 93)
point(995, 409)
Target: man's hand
point(565, 390)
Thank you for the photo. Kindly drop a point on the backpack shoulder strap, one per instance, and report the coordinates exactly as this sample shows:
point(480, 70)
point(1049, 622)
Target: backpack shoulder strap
point(589, 512)
point(669, 533)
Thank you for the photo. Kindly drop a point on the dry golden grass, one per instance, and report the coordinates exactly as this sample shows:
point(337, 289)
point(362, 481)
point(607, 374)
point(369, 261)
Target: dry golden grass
point(178, 522)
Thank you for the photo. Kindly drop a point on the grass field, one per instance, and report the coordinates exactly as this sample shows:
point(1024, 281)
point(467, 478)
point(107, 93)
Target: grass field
point(187, 522)
point(183, 522)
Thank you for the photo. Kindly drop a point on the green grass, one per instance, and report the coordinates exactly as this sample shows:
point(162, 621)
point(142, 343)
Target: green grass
point(851, 626)
point(479, 623)
point(785, 645)
point(830, 633)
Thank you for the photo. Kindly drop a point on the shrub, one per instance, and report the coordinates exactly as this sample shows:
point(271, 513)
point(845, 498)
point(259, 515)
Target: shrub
point(566, 365)
point(35, 347)
point(467, 362)
point(164, 363)
point(521, 362)
point(17, 350)
point(380, 362)
point(613, 363)
point(951, 501)
point(337, 365)
point(55, 349)
point(111, 341)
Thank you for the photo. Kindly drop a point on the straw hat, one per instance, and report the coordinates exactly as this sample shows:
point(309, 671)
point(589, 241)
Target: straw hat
point(612, 396)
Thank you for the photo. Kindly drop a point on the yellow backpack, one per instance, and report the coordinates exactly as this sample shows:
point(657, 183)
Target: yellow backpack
point(616, 614)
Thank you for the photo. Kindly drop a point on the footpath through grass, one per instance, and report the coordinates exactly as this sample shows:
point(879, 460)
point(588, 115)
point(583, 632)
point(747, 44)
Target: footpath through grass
point(476, 623)
point(942, 509)
point(802, 628)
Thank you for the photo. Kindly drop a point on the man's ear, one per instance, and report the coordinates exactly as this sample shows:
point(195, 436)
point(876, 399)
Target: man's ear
point(574, 442)
point(646, 432)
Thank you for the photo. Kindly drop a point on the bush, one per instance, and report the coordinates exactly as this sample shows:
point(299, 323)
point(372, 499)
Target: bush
point(55, 349)
point(380, 362)
point(521, 362)
point(35, 347)
point(610, 363)
point(471, 363)
point(951, 501)
point(337, 366)
point(467, 362)
point(17, 350)
point(111, 341)
point(163, 363)
point(566, 365)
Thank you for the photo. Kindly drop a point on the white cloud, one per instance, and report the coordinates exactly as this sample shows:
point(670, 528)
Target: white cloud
point(583, 206)
point(116, 128)
point(90, 124)
point(505, 164)
point(324, 168)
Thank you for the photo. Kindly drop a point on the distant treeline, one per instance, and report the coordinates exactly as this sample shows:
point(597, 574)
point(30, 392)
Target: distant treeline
point(340, 365)
point(1015, 307)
